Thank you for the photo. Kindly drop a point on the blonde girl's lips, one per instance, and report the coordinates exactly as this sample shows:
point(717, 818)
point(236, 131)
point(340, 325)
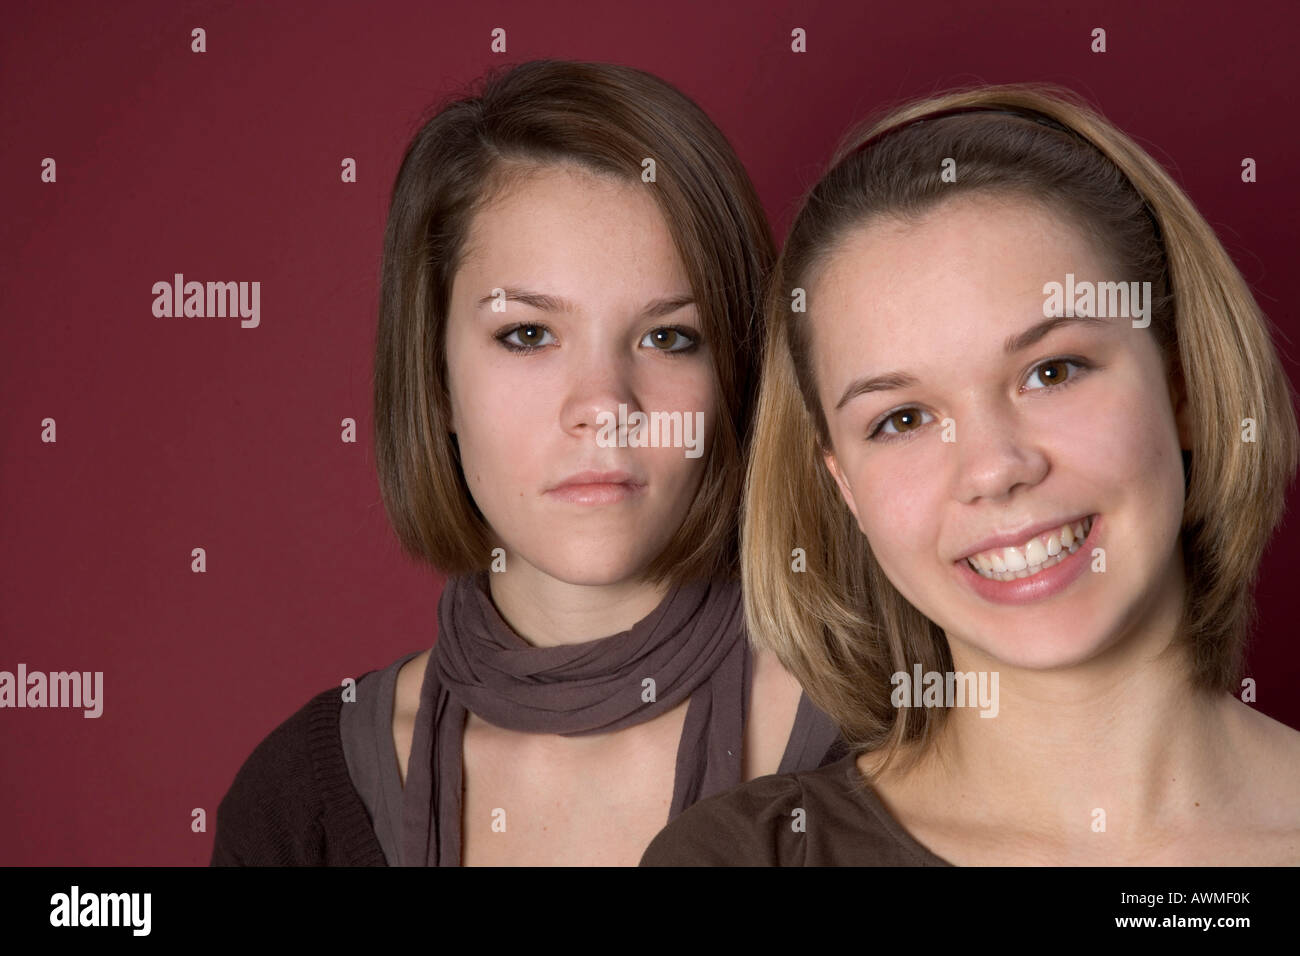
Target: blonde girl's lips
point(1039, 585)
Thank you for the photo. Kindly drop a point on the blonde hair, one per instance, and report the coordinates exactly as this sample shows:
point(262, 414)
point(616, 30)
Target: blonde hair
point(841, 628)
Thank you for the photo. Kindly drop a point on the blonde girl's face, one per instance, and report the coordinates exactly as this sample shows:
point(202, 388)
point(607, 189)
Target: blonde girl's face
point(594, 312)
point(962, 417)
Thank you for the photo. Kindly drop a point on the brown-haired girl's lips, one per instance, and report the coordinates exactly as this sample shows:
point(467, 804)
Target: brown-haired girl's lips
point(598, 478)
point(598, 488)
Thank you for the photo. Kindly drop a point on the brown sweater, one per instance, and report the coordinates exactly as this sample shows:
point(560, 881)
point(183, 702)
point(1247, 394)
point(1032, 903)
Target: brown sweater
point(294, 802)
point(842, 823)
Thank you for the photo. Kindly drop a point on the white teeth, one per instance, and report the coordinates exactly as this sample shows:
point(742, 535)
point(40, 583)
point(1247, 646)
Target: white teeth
point(1038, 554)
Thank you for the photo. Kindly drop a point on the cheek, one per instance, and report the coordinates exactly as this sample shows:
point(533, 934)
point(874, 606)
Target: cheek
point(690, 392)
point(898, 507)
point(678, 468)
point(676, 384)
point(495, 431)
point(1124, 437)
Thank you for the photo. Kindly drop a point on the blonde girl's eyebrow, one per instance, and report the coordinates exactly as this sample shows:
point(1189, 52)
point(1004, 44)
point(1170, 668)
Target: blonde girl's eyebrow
point(1014, 343)
point(1022, 340)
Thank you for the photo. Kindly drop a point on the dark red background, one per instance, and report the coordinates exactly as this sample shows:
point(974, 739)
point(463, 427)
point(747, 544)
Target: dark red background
point(177, 433)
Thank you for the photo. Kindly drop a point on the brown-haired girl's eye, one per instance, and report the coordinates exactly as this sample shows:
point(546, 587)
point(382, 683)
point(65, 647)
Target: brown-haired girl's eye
point(671, 339)
point(524, 338)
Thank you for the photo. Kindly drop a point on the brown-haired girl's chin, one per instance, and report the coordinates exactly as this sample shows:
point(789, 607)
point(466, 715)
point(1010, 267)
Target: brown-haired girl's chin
point(544, 294)
point(1000, 432)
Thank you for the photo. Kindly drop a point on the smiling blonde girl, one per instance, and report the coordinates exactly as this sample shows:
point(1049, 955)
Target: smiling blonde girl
point(959, 482)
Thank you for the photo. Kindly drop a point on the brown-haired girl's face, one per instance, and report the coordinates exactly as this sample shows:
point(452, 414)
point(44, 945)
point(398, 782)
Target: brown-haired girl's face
point(592, 312)
point(989, 429)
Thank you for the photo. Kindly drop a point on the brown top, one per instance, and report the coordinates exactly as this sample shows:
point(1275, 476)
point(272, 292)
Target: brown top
point(366, 732)
point(842, 823)
point(365, 728)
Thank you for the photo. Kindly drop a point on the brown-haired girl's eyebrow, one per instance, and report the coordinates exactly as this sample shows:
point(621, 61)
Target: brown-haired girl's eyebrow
point(1015, 343)
point(553, 303)
point(538, 300)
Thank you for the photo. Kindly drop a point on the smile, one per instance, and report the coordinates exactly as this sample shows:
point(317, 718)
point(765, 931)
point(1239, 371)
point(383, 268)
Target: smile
point(1034, 556)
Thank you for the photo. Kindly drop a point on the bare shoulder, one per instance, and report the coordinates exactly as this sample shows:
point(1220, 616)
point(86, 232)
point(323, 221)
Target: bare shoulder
point(1272, 750)
point(772, 708)
point(406, 704)
point(406, 697)
point(772, 679)
point(1270, 771)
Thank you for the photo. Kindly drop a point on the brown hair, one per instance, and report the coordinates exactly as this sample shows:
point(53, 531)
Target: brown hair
point(842, 628)
point(606, 118)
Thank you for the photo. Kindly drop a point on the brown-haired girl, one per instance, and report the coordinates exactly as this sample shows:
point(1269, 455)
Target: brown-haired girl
point(574, 246)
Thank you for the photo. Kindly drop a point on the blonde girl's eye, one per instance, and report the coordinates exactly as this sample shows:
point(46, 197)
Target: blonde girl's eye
point(1056, 372)
point(904, 421)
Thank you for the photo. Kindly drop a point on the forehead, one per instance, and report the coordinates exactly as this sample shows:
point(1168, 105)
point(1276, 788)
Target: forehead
point(565, 220)
point(953, 283)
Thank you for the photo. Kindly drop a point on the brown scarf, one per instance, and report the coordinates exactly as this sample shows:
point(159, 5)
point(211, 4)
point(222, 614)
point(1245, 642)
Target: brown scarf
point(693, 645)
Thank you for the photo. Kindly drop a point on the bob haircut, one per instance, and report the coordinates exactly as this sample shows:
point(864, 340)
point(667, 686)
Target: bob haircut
point(606, 119)
point(842, 628)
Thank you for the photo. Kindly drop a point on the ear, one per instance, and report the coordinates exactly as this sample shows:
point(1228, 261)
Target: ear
point(833, 466)
point(1178, 401)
